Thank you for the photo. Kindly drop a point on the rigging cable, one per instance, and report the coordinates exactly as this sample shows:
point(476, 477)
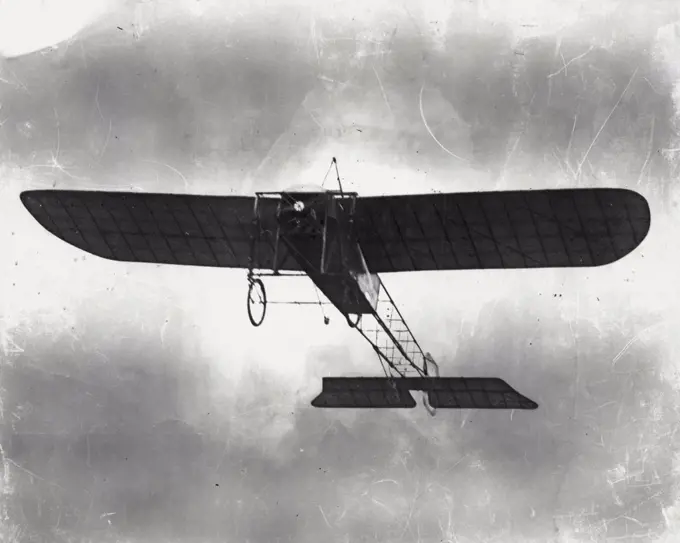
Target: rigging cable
point(326, 320)
point(334, 162)
point(337, 173)
point(327, 172)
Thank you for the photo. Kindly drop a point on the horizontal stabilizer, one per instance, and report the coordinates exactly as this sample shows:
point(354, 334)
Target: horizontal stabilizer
point(362, 393)
point(475, 393)
point(443, 393)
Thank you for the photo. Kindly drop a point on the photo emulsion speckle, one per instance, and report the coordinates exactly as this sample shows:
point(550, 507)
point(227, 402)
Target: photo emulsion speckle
point(339, 271)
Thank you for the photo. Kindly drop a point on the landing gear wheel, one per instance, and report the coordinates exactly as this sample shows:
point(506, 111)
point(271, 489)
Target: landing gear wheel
point(257, 301)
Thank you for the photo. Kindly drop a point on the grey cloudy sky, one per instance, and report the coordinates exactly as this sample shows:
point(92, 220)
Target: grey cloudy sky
point(139, 405)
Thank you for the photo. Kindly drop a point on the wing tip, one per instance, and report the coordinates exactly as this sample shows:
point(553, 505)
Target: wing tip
point(27, 196)
point(643, 217)
point(33, 202)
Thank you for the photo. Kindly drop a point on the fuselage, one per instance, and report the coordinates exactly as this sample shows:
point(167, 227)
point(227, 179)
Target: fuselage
point(316, 228)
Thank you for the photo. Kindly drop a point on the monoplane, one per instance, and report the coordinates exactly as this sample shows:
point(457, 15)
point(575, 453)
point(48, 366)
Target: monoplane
point(343, 242)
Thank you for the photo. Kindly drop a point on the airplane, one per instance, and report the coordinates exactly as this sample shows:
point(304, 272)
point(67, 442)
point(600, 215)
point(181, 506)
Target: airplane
point(343, 242)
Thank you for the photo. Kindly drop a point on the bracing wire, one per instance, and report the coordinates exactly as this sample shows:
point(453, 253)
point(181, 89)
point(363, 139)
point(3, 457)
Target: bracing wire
point(327, 172)
point(337, 173)
point(382, 365)
point(334, 162)
point(323, 313)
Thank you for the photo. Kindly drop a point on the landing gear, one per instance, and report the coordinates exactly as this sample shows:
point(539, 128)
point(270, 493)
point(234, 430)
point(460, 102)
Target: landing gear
point(257, 301)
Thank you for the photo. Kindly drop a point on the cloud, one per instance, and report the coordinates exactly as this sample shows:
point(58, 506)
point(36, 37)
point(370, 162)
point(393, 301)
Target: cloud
point(27, 26)
point(123, 426)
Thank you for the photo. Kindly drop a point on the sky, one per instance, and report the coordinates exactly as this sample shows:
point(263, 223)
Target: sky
point(138, 404)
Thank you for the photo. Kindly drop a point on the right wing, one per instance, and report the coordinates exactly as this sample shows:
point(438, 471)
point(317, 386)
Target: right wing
point(182, 229)
point(501, 229)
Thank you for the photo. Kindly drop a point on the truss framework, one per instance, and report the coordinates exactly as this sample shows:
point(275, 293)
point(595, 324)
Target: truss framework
point(391, 338)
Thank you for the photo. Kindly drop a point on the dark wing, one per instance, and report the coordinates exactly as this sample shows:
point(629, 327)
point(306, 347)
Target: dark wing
point(443, 393)
point(490, 230)
point(363, 393)
point(475, 393)
point(159, 228)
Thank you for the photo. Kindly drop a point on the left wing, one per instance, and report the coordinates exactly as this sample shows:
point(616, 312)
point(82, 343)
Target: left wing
point(179, 229)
